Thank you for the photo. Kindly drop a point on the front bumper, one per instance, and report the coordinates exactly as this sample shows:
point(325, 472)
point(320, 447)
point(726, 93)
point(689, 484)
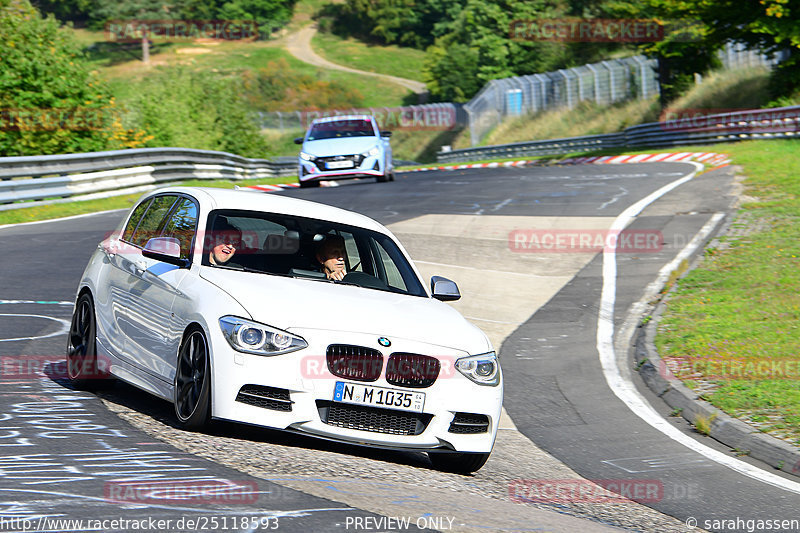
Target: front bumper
point(304, 378)
point(315, 170)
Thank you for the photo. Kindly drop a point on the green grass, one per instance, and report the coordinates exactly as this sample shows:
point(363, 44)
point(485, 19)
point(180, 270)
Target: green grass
point(48, 212)
point(719, 92)
point(587, 118)
point(742, 305)
point(392, 60)
point(122, 69)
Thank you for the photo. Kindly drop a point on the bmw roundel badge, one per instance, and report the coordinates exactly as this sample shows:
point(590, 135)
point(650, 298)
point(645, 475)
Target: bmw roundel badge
point(383, 341)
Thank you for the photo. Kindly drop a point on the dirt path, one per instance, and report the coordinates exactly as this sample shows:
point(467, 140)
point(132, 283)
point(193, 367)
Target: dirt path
point(299, 45)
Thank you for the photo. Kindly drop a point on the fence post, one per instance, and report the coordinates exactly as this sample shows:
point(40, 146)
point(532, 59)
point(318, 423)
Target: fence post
point(596, 83)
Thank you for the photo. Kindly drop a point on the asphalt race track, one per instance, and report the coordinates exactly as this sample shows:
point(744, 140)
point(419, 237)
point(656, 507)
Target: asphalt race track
point(72, 454)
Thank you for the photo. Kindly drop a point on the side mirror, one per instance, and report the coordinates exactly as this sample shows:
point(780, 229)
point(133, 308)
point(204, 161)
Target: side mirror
point(444, 289)
point(298, 140)
point(165, 249)
point(386, 134)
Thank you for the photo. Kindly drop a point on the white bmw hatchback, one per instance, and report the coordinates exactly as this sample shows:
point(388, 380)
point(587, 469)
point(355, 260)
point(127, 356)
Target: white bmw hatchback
point(223, 303)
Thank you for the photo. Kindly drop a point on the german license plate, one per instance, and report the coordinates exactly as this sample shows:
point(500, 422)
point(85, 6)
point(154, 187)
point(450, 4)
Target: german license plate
point(379, 397)
point(332, 165)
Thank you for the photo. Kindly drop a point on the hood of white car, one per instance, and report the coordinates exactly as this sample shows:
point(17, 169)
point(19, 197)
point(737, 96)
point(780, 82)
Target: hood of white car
point(289, 303)
point(340, 146)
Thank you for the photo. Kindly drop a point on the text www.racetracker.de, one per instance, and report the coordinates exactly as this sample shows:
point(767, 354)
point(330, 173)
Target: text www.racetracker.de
point(196, 523)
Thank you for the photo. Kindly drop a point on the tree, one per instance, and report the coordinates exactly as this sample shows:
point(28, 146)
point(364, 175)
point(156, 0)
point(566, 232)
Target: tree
point(50, 103)
point(482, 31)
point(181, 107)
point(130, 12)
point(769, 25)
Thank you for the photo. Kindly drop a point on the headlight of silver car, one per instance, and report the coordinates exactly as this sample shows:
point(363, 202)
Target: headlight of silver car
point(307, 157)
point(372, 151)
point(251, 337)
point(482, 369)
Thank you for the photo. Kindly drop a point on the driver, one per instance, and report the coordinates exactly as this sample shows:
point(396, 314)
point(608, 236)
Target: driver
point(227, 238)
point(330, 254)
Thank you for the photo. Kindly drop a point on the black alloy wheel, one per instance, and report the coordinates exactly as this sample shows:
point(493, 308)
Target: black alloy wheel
point(193, 382)
point(82, 368)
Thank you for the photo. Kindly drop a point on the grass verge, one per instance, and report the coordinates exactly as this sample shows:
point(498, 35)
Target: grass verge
point(731, 328)
point(398, 61)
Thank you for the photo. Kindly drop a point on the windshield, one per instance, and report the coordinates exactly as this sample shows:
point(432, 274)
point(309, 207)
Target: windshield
point(287, 245)
point(341, 128)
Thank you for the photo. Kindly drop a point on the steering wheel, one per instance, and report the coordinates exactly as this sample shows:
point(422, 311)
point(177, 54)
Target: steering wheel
point(364, 280)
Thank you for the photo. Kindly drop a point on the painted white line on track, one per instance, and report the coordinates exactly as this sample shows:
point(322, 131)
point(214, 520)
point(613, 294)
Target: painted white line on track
point(42, 302)
point(64, 327)
point(625, 389)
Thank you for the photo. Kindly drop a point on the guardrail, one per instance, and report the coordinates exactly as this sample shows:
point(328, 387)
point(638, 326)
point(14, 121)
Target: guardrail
point(687, 128)
point(39, 180)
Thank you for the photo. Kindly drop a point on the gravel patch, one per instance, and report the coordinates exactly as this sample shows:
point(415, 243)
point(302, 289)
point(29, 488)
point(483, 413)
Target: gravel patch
point(389, 483)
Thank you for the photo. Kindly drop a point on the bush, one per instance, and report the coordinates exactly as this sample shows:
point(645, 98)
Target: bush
point(190, 109)
point(50, 103)
point(277, 87)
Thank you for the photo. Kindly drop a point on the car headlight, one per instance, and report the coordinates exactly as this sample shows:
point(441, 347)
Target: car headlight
point(307, 157)
point(372, 151)
point(251, 337)
point(482, 369)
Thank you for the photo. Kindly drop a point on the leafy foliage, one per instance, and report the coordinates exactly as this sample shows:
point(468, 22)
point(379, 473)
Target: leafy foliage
point(269, 13)
point(468, 42)
point(277, 87)
point(49, 100)
point(190, 109)
point(414, 23)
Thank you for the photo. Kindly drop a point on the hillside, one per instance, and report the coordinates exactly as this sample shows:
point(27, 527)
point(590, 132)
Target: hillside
point(720, 91)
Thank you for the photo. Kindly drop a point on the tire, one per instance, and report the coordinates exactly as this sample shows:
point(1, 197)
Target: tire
point(193, 382)
point(391, 176)
point(458, 463)
point(81, 357)
point(382, 178)
point(309, 184)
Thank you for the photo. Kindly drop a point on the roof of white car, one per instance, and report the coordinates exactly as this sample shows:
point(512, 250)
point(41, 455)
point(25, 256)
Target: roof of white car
point(248, 200)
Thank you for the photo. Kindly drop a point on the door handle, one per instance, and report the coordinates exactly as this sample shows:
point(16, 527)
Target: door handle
point(140, 267)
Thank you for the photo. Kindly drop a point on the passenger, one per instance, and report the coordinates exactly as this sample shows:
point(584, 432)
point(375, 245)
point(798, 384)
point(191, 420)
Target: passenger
point(226, 239)
point(330, 254)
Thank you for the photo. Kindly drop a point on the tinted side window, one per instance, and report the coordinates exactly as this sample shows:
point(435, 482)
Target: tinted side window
point(182, 224)
point(153, 220)
point(136, 216)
